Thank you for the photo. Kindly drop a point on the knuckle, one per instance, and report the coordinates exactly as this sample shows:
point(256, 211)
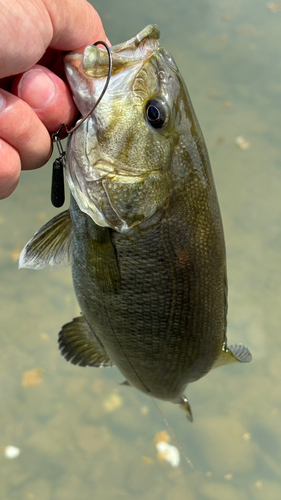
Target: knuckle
point(10, 167)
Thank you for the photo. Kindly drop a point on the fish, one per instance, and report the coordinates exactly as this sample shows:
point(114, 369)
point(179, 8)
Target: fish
point(143, 233)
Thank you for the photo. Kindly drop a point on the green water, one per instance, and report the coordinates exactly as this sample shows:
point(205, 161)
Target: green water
point(74, 446)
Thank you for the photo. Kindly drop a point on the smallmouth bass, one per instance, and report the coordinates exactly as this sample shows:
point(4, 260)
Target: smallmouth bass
point(143, 232)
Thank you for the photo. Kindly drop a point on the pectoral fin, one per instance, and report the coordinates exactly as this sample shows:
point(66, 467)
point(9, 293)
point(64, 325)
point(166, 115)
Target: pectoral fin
point(50, 245)
point(101, 254)
point(232, 354)
point(79, 345)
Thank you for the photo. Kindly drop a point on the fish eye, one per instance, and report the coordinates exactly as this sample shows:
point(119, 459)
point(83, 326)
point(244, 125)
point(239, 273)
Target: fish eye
point(156, 113)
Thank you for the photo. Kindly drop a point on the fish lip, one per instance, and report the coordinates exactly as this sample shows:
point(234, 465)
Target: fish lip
point(110, 170)
point(94, 61)
point(73, 61)
point(86, 72)
point(104, 166)
point(149, 32)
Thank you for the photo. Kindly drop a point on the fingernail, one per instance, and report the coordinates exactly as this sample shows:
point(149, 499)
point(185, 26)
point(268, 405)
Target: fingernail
point(36, 89)
point(2, 102)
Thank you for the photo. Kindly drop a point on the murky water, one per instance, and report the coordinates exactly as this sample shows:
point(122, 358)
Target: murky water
point(81, 435)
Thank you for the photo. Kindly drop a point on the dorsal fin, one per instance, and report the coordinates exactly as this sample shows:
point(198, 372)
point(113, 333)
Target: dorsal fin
point(50, 245)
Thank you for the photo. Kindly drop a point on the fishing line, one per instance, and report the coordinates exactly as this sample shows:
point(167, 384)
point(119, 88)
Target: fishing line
point(152, 398)
point(57, 189)
point(173, 435)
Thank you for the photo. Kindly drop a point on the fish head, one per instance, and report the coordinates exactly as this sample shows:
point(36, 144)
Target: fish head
point(123, 162)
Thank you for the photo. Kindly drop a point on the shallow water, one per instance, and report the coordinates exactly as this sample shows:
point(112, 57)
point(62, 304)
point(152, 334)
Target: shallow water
point(83, 436)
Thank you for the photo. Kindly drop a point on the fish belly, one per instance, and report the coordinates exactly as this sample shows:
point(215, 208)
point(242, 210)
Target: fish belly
point(162, 319)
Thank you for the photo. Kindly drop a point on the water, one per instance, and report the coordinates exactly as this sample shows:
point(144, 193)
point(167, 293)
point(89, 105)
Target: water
point(81, 435)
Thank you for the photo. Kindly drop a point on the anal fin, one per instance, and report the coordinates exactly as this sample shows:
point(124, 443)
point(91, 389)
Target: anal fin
point(79, 345)
point(126, 383)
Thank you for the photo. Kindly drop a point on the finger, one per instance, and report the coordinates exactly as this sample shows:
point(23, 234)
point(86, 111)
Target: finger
point(47, 95)
point(10, 167)
point(67, 25)
point(23, 130)
point(26, 31)
point(76, 24)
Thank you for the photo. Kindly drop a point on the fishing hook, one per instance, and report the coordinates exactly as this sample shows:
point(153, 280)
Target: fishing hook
point(57, 190)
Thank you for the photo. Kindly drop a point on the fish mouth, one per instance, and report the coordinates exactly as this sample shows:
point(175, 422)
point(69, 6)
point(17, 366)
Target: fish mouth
point(83, 70)
point(141, 46)
point(109, 170)
point(110, 194)
point(95, 59)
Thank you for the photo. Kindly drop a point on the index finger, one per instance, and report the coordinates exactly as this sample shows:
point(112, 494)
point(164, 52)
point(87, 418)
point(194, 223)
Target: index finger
point(39, 24)
point(76, 24)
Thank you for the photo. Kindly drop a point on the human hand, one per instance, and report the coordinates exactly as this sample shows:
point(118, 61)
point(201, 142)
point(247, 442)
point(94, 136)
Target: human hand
point(34, 99)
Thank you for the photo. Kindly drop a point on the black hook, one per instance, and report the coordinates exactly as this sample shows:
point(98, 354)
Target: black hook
point(57, 189)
